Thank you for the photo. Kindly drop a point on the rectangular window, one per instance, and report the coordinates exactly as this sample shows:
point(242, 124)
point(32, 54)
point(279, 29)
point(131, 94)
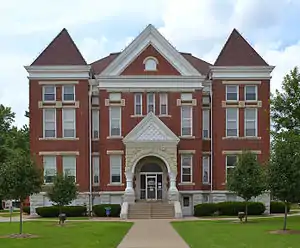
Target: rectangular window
point(138, 104)
point(49, 93)
point(205, 124)
point(186, 120)
point(250, 93)
point(95, 100)
point(231, 161)
point(49, 163)
point(232, 122)
point(115, 96)
point(96, 171)
point(69, 123)
point(232, 92)
point(186, 168)
point(68, 93)
point(151, 102)
point(95, 124)
point(69, 166)
point(205, 170)
point(115, 121)
point(250, 122)
point(116, 168)
point(186, 96)
point(49, 123)
point(163, 104)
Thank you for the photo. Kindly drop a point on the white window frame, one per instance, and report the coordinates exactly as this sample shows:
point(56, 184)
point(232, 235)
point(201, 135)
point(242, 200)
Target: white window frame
point(206, 122)
point(229, 167)
point(53, 166)
point(63, 93)
point(153, 65)
point(237, 93)
point(190, 156)
point(252, 120)
point(206, 166)
point(119, 157)
point(96, 170)
point(73, 168)
point(148, 102)
point(44, 122)
point(245, 93)
point(163, 96)
point(64, 121)
point(140, 105)
point(44, 92)
point(95, 124)
point(237, 122)
point(189, 118)
point(119, 119)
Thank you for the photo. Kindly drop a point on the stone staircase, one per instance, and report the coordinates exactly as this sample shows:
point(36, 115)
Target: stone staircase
point(151, 210)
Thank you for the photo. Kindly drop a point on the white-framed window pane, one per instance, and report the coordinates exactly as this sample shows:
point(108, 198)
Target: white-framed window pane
point(95, 124)
point(68, 93)
point(49, 163)
point(251, 93)
point(186, 96)
point(151, 102)
point(186, 120)
point(138, 98)
point(49, 123)
point(96, 171)
point(150, 65)
point(205, 123)
point(163, 103)
point(205, 170)
point(116, 168)
point(49, 93)
point(250, 121)
point(69, 123)
point(231, 160)
point(231, 122)
point(115, 121)
point(186, 168)
point(115, 96)
point(232, 93)
point(69, 166)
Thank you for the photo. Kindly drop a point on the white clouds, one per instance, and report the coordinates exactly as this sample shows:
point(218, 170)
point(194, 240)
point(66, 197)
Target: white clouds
point(93, 49)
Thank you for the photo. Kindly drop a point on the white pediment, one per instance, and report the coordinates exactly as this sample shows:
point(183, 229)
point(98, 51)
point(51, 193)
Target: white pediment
point(151, 129)
point(152, 36)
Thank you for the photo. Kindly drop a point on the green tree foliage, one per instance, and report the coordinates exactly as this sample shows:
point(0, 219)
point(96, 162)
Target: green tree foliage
point(284, 169)
point(285, 104)
point(247, 179)
point(20, 178)
point(63, 191)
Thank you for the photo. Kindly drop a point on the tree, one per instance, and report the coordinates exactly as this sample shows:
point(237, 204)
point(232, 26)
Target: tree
point(63, 191)
point(247, 179)
point(19, 179)
point(285, 104)
point(284, 169)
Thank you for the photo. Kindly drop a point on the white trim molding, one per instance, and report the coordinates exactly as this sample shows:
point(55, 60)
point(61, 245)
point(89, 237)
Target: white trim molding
point(233, 152)
point(58, 82)
point(186, 151)
point(57, 153)
point(114, 152)
point(241, 72)
point(242, 82)
point(58, 72)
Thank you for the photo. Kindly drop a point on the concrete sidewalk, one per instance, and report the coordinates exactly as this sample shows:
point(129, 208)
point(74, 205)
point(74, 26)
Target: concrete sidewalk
point(152, 234)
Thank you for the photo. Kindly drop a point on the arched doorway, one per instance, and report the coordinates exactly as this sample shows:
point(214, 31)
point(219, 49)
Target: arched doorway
point(151, 179)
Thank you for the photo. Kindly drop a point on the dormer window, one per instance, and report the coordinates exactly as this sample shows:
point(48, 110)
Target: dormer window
point(150, 64)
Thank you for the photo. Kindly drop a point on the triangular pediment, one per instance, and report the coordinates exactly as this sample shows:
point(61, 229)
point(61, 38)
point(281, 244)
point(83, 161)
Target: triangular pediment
point(150, 36)
point(151, 129)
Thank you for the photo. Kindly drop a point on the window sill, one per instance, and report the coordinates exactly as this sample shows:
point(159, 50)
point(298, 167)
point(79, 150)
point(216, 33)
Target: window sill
point(186, 137)
point(242, 138)
point(114, 137)
point(186, 184)
point(205, 183)
point(115, 184)
point(165, 116)
point(58, 139)
point(95, 139)
point(208, 139)
point(136, 116)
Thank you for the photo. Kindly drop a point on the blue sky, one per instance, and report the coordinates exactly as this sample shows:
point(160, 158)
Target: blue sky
point(100, 27)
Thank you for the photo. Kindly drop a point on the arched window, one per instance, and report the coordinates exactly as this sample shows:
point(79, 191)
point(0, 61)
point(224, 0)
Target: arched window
point(150, 64)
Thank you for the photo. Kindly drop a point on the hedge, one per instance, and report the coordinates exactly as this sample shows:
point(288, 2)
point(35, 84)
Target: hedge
point(277, 207)
point(229, 208)
point(99, 210)
point(26, 210)
point(53, 211)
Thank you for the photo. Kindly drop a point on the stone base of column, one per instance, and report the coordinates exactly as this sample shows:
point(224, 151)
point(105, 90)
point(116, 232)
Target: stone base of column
point(173, 195)
point(129, 196)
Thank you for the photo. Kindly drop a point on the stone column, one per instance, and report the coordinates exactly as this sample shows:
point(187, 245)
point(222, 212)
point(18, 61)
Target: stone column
point(129, 195)
point(173, 193)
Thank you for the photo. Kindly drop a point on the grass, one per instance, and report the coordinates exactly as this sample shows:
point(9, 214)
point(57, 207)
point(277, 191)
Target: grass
point(226, 234)
point(7, 215)
point(72, 235)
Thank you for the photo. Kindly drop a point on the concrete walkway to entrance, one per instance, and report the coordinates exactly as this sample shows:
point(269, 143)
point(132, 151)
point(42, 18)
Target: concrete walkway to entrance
point(152, 233)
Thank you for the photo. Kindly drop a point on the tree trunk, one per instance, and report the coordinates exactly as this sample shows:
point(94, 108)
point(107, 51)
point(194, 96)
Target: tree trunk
point(21, 217)
point(285, 214)
point(246, 212)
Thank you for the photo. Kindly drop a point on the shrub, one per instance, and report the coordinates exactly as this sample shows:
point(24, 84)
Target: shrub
point(53, 211)
point(205, 209)
point(277, 207)
point(26, 210)
point(99, 210)
point(233, 208)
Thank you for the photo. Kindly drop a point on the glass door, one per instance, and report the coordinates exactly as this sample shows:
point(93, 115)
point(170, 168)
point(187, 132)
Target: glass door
point(159, 186)
point(151, 187)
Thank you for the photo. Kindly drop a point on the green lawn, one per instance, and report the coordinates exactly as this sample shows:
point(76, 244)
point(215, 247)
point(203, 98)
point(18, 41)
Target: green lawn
point(226, 234)
point(7, 215)
point(72, 235)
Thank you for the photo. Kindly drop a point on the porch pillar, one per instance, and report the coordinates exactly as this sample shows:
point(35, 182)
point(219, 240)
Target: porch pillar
point(129, 195)
point(173, 193)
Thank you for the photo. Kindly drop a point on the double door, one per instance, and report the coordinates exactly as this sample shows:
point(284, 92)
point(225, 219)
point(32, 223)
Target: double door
point(151, 186)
